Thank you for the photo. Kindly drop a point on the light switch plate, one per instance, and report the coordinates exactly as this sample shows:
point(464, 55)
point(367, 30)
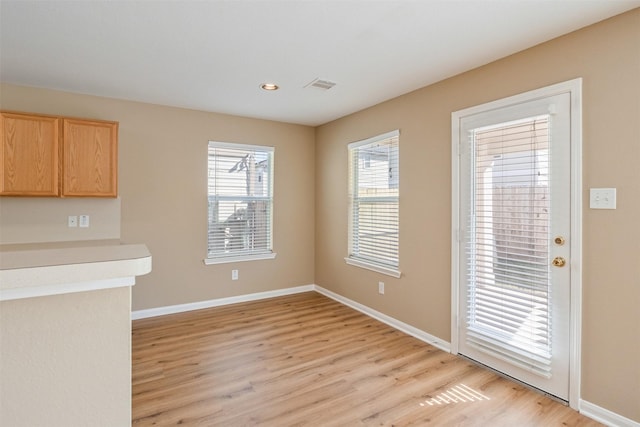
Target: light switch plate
point(602, 198)
point(73, 221)
point(84, 221)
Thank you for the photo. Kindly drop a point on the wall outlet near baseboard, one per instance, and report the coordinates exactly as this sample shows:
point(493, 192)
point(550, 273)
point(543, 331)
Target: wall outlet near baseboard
point(234, 274)
point(381, 288)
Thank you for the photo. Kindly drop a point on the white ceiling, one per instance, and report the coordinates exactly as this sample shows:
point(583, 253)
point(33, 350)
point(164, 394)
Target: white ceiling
point(213, 55)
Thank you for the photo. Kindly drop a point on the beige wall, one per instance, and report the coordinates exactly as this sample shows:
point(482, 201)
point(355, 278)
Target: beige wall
point(44, 219)
point(607, 57)
point(163, 192)
point(65, 360)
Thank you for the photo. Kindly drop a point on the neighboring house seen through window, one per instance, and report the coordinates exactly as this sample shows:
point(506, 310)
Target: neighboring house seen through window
point(240, 196)
point(374, 207)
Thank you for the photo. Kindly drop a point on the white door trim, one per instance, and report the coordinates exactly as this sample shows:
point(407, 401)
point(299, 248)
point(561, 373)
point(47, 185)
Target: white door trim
point(574, 88)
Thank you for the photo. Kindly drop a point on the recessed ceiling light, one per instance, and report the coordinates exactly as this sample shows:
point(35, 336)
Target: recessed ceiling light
point(269, 86)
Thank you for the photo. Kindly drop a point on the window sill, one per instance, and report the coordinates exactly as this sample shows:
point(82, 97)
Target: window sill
point(239, 258)
point(374, 267)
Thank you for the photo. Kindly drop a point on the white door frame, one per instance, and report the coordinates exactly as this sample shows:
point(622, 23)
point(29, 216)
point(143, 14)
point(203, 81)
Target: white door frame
point(574, 88)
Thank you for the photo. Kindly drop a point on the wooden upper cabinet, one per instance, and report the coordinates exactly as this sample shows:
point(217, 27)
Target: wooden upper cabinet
point(57, 156)
point(89, 158)
point(29, 156)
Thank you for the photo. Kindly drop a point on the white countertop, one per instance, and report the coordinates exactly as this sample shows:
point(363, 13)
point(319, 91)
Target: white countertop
point(30, 270)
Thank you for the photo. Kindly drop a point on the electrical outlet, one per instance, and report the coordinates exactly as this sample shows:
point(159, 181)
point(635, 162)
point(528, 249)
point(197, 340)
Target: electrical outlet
point(84, 221)
point(234, 274)
point(72, 221)
point(381, 288)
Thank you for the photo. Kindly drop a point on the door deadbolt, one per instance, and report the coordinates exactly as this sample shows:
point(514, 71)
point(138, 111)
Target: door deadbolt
point(558, 261)
point(559, 240)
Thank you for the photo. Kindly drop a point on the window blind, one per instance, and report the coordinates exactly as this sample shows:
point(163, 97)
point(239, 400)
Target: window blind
point(240, 194)
point(507, 248)
point(374, 208)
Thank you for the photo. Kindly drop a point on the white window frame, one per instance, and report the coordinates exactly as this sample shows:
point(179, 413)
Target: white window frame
point(244, 256)
point(354, 258)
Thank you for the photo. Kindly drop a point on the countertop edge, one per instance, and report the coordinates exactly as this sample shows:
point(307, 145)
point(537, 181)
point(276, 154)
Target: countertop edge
point(64, 288)
point(62, 279)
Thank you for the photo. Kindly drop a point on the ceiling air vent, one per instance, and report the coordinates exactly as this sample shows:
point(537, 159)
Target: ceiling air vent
point(321, 84)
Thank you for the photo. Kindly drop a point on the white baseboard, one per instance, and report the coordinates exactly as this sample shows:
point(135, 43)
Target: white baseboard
point(605, 416)
point(172, 309)
point(394, 323)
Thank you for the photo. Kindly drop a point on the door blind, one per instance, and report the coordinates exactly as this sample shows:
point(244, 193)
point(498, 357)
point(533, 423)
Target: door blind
point(508, 299)
point(374, 186)
point(240, 193)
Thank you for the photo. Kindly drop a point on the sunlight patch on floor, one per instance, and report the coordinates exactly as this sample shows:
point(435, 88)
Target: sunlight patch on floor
point(458, 394)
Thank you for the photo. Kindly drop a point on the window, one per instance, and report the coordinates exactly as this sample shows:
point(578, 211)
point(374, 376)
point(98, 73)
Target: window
point(374, 208)
point(240, 193)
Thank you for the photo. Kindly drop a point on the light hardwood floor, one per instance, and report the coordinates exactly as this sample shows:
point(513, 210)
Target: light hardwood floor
point(305, 359)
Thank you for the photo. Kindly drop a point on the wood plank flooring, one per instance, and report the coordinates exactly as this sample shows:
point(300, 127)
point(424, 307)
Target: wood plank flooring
point(306, 360)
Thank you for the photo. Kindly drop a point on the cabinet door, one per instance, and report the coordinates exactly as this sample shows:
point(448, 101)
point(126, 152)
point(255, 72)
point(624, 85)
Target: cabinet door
point(29, 155)
point(90, 158)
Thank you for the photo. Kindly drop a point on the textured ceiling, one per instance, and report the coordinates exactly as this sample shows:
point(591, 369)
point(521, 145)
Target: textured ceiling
point(213, 55)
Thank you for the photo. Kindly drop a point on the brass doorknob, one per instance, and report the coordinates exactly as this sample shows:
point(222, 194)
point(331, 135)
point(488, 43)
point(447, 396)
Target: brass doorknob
point(558, 261)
